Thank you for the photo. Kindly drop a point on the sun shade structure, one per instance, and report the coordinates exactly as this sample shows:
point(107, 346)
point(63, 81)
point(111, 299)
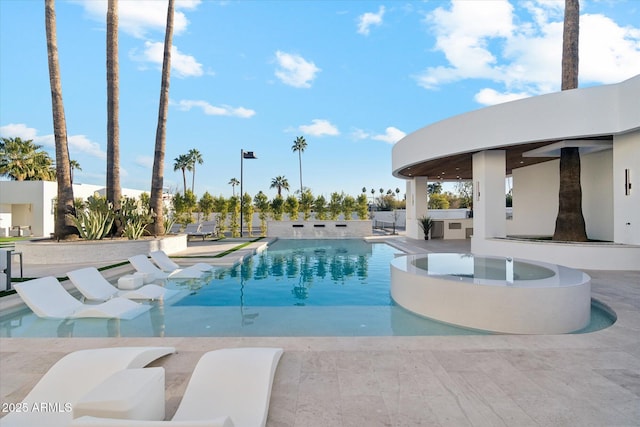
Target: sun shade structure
point(95, 287)
point(522, 140)
point(228, 387)
point(167, 264)
point(141, 263)
point(75, 375)
point(46, 297)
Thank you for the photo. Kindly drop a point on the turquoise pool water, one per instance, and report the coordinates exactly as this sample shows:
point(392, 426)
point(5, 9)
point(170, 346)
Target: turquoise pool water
point(293, 288)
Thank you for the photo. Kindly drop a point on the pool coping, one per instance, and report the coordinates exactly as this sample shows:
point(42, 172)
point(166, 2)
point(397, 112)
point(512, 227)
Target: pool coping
point(531, 372)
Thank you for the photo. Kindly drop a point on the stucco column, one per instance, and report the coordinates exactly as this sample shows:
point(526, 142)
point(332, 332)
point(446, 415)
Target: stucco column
point(416, 205)
point(489, 173)
point(626, 189)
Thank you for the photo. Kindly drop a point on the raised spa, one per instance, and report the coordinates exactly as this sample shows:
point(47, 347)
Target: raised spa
point(491, 293)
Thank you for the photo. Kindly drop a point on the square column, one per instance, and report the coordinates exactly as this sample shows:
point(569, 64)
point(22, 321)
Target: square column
point(416, 206)
point(489, 173)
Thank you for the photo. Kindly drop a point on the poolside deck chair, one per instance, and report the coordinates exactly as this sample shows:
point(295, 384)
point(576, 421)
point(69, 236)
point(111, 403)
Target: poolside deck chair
point(167, 264)
point(47, 298)
point(141, 263)
point(95, 287)
point(228, 387)
point(73, 376)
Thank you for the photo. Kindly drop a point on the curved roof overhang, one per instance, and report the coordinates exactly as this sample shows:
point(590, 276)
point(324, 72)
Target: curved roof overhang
point(529, 130)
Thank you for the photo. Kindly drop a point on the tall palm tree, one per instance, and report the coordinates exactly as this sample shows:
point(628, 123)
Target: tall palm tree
point(63, 225)
point(194, 157)
point(157, 177)
point(183, 163)
point(299, 145)
point(114, 191)
point(570, 224)
point(17, 158)
point(74, 165)
point(280, 182)
point(233, 182)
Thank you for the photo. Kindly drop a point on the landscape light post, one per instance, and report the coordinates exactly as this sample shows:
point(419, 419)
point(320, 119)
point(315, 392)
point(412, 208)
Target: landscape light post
point(243, 155)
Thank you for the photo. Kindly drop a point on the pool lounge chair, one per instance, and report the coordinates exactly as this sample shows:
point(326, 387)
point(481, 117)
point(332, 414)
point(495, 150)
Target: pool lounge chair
point(95, 287)
point(202, 229)
point(228, 387)
point(141, 263)
point(72, 377)
point(47, 298)
point(166, 264)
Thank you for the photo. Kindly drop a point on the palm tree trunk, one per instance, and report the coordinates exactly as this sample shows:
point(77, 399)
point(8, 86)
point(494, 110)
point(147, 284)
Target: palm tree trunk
point(300, 162)
point(114, 192)
point(157, 178)
point(64, 206)
point(570, 224)
point(184, 181)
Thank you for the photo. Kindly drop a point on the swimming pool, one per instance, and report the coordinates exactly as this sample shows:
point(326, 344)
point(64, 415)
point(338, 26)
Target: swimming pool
point(293, 288)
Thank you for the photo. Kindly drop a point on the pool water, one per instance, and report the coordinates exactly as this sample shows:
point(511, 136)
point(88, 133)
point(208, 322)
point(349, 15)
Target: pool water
point(293, 288)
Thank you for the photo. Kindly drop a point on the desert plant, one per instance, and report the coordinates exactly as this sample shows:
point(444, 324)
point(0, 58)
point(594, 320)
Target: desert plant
point(291, 206)
point(425, 224)
point(320, 208)
point(362, 207)
point(92, 225)
point(348, 206)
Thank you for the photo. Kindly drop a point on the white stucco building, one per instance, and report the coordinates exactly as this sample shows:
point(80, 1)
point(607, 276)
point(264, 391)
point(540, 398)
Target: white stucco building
point(522, 139)
point(27, 207)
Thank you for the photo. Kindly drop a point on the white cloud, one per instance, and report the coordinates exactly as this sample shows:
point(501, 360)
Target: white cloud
point(489, 96)
point(359, 134)
point(139, 17)
point(76, 143)
point(486, 40)
point(144, 161)
point(18, 130)
point(369, 19)
point(183, 65)
point(212, 110)
point(319, 127)
point(294, 70)
point(391, 135)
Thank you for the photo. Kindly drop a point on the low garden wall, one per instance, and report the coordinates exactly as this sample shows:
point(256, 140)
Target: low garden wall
point(81, 251)
point(317, 229)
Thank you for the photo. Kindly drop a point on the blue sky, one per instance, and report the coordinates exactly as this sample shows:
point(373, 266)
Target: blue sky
point(352, 77)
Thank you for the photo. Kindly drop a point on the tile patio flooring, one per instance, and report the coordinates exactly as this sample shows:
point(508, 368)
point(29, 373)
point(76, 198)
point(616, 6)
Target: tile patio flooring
point(499, 380)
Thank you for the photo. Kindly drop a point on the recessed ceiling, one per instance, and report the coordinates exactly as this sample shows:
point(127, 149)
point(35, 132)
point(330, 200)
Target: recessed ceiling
point(459, 166)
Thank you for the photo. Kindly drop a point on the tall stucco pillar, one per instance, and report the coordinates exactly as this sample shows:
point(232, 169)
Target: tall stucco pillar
point(489, 218)
point(626, 189)
point(416, 205)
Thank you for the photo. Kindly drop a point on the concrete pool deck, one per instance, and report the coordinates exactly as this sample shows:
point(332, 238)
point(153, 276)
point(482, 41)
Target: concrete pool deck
point(525, 380)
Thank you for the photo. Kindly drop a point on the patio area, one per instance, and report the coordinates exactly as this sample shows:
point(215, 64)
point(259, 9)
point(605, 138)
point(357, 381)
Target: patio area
point(526, 380)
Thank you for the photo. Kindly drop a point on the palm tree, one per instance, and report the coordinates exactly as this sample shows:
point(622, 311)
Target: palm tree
point(183, 163)
point(233, 182)
point(63, 225)
point(17, 158)
point(194, 157)
point(280, 182)
point(114, 192)
point(74, 165)
point(299, 145)
point(157, 177)
point(570, 224)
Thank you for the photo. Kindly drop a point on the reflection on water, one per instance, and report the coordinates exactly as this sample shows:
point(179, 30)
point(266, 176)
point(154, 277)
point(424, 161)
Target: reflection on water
point(311, 288)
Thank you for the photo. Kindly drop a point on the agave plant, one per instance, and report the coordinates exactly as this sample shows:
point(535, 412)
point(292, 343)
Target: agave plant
point(92, 225)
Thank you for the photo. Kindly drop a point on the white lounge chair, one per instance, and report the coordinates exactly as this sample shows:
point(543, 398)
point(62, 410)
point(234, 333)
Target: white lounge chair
point(142, 264)
point(74, 376)
point(229, 387)
point(95, 287)
point(167, 264)
point(47, 298)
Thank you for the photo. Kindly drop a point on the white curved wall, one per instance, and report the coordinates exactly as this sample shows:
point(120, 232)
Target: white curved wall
point(593, 111)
